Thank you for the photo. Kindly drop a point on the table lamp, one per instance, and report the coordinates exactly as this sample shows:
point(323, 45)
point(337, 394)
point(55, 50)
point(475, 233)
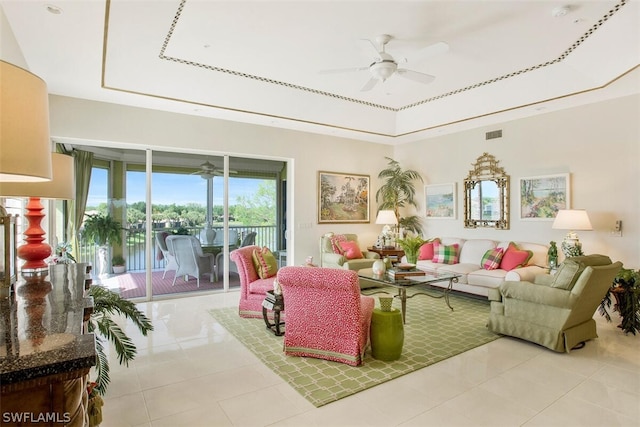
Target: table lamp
point(388, 218)
point(62, 186)
point(572, 219)
point(25, 145)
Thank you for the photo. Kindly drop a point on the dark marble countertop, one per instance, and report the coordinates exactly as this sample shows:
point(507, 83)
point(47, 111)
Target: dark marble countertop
point(41, 326)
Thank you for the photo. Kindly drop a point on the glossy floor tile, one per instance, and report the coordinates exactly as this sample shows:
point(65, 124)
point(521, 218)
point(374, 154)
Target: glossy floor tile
point(191, 372)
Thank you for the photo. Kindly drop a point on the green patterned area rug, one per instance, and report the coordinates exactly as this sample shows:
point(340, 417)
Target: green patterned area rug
point(432, 333)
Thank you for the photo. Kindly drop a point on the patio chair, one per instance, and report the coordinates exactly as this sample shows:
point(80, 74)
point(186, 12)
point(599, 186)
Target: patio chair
point(170, 263)
point(233, 244)
point(190, 258)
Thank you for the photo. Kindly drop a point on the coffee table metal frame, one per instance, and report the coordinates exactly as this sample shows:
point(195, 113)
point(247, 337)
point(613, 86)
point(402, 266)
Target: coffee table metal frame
point(402, 284)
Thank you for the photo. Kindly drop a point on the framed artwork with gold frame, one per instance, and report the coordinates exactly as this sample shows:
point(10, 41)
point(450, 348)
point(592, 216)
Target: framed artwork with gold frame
point(343, 198)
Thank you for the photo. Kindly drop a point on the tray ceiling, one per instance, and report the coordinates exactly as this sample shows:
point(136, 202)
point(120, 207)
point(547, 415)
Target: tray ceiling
point(265, 62)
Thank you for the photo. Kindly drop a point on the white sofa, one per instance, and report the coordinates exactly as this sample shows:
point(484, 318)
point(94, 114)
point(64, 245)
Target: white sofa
point(476, 280)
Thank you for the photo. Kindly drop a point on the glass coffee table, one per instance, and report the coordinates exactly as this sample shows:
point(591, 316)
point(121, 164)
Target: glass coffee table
point(401, 285)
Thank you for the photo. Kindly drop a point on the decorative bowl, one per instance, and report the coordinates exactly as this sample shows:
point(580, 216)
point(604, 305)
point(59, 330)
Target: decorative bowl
point(405, 266)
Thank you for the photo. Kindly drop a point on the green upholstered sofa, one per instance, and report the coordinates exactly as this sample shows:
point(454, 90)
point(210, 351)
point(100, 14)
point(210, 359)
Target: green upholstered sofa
point(555, 311)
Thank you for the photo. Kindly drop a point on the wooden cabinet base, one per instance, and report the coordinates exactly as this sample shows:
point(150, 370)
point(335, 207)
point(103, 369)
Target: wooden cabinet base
point(55, 400)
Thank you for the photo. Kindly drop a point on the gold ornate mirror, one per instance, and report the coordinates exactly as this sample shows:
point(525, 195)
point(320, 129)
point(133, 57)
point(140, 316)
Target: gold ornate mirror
point(486, 195)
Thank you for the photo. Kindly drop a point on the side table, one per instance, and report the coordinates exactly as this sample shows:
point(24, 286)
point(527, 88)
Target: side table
point(274, 303)
point(397, 253)
point(387, 334)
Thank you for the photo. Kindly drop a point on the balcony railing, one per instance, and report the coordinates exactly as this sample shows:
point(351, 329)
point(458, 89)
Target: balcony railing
point(135, 244)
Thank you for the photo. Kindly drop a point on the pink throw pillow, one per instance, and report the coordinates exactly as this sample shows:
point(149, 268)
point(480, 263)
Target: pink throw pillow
point(426, 250)
point(351, 250)
point(514, 257)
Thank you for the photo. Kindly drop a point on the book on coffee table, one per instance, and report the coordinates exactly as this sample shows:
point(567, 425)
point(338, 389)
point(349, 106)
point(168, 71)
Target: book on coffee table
point(401, 274)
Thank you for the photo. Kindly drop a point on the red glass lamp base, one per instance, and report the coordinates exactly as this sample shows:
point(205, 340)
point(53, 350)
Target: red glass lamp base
point(34, 251)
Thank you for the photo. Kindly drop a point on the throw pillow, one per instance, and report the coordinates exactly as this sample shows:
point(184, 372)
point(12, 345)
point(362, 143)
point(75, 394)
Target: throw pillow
point(350, 250)
point(514, 257)
point(426, 250)
point(264, 262)
point(491, 259)
point(444, 254)
point(567, 274)
point(335, 243)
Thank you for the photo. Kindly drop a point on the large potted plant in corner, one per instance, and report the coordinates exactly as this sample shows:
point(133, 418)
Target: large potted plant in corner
point(398, 191)
point(104, 231)
point(626, 291)
point(105, 304)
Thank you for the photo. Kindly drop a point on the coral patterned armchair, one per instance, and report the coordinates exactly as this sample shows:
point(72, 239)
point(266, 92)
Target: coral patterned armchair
point(252, 288)
point(327, 318)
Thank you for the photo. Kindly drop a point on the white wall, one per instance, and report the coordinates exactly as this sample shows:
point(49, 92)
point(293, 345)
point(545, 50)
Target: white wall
point(597, 144)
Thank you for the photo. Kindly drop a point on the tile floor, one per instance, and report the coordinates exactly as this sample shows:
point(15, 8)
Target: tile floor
point(192, 372)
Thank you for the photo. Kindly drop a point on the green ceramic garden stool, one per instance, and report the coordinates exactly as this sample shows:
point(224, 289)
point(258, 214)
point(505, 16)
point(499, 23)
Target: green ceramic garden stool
point(387, 334)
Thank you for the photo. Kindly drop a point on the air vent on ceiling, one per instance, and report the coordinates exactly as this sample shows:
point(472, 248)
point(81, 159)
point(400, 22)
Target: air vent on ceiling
point(494, 134)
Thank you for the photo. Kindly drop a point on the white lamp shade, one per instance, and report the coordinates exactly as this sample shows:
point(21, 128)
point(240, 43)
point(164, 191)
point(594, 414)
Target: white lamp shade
point(24, 126)
point(386, 217)
point(62, 186)
point(572, 219)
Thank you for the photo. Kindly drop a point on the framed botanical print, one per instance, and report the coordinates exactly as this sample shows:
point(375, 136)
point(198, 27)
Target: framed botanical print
point(342, 197)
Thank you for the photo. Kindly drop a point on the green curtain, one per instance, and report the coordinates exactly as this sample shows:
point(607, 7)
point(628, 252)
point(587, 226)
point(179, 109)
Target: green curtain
point(83, 162)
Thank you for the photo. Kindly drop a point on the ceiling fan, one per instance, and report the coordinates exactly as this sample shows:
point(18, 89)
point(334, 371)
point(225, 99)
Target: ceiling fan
point(208, 170)
point(384, 65)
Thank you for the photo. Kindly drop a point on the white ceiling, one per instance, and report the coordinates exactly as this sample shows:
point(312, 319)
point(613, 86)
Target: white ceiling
point(262, 61)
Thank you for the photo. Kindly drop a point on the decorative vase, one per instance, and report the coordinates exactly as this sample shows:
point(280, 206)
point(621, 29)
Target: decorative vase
point(378, 267)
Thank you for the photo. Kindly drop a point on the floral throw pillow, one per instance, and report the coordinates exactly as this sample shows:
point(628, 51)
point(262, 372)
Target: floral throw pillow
point(335, 243)
point(264, 262)
point(491, 259)
point(445, 254)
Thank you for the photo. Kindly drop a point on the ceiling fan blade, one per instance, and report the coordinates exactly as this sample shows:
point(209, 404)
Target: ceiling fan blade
point(369, 85)
point(342, 70)
point(415, 76)
point(428, 52)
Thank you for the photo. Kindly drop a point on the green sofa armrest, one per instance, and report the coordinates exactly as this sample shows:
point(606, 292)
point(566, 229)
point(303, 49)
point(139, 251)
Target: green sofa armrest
point(543, 279)
point(333, 258)
point(370, 255)
point(539, 294)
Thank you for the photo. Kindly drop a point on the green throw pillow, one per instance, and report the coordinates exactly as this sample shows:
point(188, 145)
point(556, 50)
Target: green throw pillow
point(264, 262)
point(567, 274)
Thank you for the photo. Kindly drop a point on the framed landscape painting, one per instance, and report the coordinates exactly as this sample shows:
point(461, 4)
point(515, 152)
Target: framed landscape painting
point(342, 198)
point(541, 197)
point(440, 201)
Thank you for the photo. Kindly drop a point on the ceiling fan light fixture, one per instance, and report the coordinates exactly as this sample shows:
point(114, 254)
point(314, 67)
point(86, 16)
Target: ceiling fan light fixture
point(384, 69)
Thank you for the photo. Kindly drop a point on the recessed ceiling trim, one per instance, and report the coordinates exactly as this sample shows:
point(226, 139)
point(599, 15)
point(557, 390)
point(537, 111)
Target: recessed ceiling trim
point(267, 80)
point(559, 59)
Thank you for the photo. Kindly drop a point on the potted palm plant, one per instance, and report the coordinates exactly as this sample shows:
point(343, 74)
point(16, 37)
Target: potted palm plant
point(398, 191)
point(626, 291)
point(104, 231)
point(105, 304)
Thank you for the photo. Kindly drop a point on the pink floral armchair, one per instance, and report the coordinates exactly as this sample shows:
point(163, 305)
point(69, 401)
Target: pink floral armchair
point(252, 288)
point(327, 318)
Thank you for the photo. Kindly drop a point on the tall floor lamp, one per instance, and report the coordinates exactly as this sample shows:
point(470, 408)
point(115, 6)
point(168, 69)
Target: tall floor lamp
point(62, 186)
